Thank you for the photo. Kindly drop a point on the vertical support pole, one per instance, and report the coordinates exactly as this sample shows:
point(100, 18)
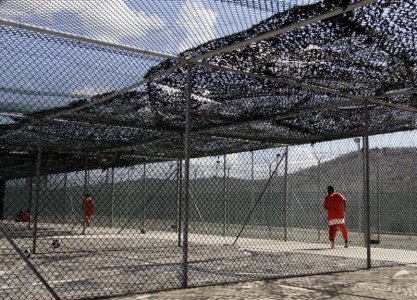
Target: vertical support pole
point(64, 205)
point(362, 208)
point(85, 192)
point(179, 197)
point(37, 196)
point(367, 206)
point(410, 216)
point(224, 196)
point(30, 183)
point(143, 199)
point(286, 195)
point(112, 199)
point(359, 202)
point(378, 196)
point(252, 183)
point(71, 205)
point(186, 178)
point(319, 203)
point(2, 195)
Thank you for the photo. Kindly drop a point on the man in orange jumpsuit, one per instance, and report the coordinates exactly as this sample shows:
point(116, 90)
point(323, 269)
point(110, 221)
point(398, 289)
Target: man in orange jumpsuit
point(335, 204)
point(23, 217)
point(89, 208)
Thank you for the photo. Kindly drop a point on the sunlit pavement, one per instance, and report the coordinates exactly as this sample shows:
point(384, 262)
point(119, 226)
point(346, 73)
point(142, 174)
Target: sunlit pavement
point(397, 282)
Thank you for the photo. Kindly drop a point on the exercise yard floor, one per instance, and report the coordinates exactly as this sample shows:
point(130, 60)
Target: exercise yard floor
point(105, 263)
point(399, 282)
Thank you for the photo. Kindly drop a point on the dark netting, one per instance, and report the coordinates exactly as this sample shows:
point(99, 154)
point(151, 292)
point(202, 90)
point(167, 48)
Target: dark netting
point(103, 96)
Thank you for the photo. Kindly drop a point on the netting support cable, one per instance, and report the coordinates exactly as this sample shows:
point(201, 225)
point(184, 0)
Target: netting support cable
point(367, 191)
point(110, 96)
point(30, 265)
point(179, 197)
point(281, 117)
point(83, 39)
point(186, 178)
point(292, 27)
point(377, 99)
point(248, 217)
point(41, 93)
point(37, 196)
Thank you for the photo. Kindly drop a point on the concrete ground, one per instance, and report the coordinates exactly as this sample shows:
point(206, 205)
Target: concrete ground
point(399, 282)
point(103, 263)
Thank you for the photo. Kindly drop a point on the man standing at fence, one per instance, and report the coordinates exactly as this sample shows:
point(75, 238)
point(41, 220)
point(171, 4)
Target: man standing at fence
point(335, 204)
point(89, 208)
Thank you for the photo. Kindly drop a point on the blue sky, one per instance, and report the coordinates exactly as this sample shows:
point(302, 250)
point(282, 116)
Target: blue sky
point(33, 64)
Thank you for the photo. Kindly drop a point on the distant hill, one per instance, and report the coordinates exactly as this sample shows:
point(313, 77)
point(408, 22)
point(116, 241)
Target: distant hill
point(393, 168)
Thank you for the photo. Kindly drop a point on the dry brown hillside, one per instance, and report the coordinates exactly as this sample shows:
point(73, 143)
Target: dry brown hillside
point(394, 169)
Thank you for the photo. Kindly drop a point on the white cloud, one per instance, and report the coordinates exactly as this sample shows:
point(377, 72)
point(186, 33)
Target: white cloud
point(198, 23)
point(301, 157)
point(110, 21)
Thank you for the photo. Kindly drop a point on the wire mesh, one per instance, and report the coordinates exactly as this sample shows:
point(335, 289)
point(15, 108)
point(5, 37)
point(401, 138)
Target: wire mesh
point(95, 179)
point(253, 215)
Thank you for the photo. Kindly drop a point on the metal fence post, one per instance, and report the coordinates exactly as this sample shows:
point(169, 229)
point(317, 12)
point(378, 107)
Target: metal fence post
point(378, 196)
point(224, 196)
point(2, 195)
point(143, 199)
point(367, 206)
point(112, 198)
point(286, 195)
point(252, 183)
point(30, 183)
point(64, 205)
point(179, 197)
point(85, 192)
point(319, 203)
point(186, 178)
point(37, 196)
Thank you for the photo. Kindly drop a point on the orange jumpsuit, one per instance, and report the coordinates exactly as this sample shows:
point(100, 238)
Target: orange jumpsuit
point(335, 204)
point(26, 217)
point(89, 209)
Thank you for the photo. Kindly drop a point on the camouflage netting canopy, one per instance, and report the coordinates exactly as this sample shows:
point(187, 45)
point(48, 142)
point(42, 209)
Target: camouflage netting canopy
point(99, 84)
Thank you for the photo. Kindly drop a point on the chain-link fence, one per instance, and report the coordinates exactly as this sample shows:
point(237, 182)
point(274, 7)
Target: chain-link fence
point(150, 145)
point(252, 215)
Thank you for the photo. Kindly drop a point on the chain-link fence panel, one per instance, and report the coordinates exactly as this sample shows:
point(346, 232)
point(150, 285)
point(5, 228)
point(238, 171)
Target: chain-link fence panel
point(104, 103)
point(393, 195)
point(272, 215)
point(124, 242)
point(252, 215)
